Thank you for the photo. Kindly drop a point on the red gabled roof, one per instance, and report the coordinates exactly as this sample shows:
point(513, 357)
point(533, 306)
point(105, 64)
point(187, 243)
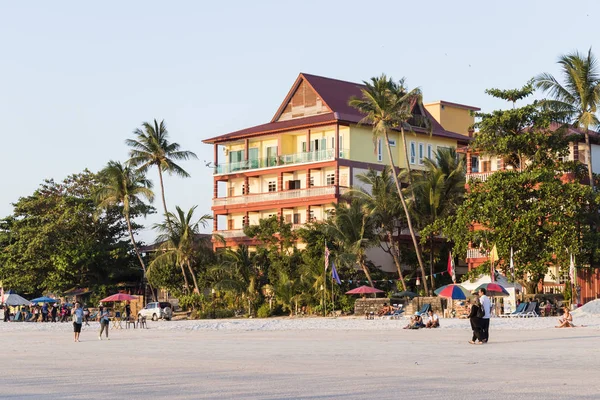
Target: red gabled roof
point(335, 94)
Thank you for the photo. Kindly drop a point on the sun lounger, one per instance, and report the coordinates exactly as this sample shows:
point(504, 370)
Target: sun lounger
point(517, 312)
point(425, 309)
point(530, 310)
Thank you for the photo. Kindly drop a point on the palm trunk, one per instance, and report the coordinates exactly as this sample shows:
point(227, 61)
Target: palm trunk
point(588, 158)
point(196, 289)
point(408, 219)
point(137, 253)
point(187, 285)
point(366, 271)
point(162, 193)
point(408, 169)
point(431, 262)
point(394, 252)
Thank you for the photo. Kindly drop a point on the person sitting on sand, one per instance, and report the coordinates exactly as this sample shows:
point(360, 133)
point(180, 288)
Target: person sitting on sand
point(566, 321)
point(416, 322)
point(433, 320)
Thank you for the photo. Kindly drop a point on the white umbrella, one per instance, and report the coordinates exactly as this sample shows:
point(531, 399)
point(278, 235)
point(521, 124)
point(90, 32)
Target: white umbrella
point(13, 299)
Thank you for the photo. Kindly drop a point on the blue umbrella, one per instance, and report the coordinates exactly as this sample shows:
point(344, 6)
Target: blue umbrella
point(43, 299)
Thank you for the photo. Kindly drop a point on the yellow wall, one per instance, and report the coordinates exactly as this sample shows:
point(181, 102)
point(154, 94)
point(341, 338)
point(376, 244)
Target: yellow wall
point(452, 118)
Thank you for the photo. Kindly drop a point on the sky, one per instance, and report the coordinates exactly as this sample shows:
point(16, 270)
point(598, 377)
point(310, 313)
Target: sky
point(76, 78)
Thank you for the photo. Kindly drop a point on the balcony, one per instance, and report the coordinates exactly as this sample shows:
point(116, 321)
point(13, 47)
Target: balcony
point(480, 176)
point(286, 159)
point(476, 253)
point(277, 196)
point(231, 233)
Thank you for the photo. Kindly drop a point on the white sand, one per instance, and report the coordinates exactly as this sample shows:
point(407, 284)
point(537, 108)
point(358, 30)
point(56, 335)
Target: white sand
point(589, 309)
point(302, 358)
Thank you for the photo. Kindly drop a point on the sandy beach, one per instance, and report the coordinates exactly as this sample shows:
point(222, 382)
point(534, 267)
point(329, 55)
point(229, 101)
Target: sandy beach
point(302, 358)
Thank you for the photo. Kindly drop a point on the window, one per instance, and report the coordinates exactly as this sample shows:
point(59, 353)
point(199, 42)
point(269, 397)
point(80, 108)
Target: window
point(271, 156)
point(304, 147)
point(379, 150)
point(330, 179)
point(296, 218)
point(272, 186)
point(236, 156)
point(421, 153)
point(230, 224)
point(333, 142)
point(288, 218)
point(413, 152)
point(253, 156)
point(311, 181)
point(311, 215)
point(474, 164)
point(486, 166)
point(498, 164)
point(341, 146)
point(392, 142)
point(294, 184)
point(430, 152)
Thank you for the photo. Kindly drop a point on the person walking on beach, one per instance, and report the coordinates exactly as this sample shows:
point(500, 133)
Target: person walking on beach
point(77, 320)
point(104, 316)
point(474, 313)
point(485, 320)
point(45, 312)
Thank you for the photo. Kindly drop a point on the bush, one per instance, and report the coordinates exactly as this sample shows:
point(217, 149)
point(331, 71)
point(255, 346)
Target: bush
point(191, 301)
point(219, 313)
point(263, 311)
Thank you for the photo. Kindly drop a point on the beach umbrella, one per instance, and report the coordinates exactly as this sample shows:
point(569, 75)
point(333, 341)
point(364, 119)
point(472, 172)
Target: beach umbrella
point(364, 290)
point(493, 289)
point(13, 299)
point(118, 297)
point(44, 299)
point(453, 291)
point(405, 293)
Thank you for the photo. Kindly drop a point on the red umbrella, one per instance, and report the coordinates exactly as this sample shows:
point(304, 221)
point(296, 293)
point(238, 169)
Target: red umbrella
point(493, 289)
point(364, 290)
point(118, 297)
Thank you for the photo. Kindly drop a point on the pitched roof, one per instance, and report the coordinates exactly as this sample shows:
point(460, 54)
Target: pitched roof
point(335, 94)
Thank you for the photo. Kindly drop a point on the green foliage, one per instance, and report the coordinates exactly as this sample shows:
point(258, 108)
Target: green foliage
point(192, 301)
point(216, 313)
point(58, 238)
point(264, 311)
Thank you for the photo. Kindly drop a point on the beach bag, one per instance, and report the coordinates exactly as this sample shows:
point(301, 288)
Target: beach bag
point(480, 313)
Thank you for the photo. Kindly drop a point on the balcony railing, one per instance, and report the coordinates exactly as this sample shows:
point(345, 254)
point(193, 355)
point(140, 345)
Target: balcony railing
point(277, 196)
point(481, 176)
point(286, 159)
point(476, 253)
point(231, 233)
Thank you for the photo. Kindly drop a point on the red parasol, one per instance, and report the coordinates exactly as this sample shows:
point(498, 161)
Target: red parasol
point(364, 290)
point(118, 297)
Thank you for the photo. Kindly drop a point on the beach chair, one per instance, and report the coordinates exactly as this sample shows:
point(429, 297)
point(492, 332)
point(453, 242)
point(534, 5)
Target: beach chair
point(517, 312)
point(530, 311)
point(17, 317)
point(398, 312)
point(425, 309)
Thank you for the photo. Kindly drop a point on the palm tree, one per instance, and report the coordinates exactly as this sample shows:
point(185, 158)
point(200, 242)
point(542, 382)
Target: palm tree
point(123, 185)
point(180, 243)
point(386, 109)
point(382, 202)
point(152, 148)
point(578, 97)
point(353, 230)
point(438, 192)
point(238, 274)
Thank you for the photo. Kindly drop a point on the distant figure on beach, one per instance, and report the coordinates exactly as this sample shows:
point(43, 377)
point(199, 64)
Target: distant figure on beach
point(104, 316)
point(474, 313)
point(6, 313)
point(77, 320)
point(486, 305)
point(127, 311)
point(433, 321)
point(566, 321)
point(416, 322)
point(53, 312)
point(45, 312)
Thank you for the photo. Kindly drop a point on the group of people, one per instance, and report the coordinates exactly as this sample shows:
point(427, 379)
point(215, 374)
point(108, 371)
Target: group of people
point(47, 312)
point(416, 321)
point(479, 316)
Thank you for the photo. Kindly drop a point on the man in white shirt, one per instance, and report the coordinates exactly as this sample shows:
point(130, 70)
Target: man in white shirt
point(485, 320)
point(434, 321)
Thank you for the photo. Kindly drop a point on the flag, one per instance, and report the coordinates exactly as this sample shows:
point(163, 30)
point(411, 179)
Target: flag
point(451, 267)
point(494, 254)
point(512, 264)
point(572, 268)
point(334, 274)
point(326, 257)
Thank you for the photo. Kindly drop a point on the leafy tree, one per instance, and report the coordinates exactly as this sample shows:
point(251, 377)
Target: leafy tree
point(120, 185)
point(152, 148)
point(388, 105)
point(578, 97)
point(180, 242)
point(382, 202)
point(54, 240)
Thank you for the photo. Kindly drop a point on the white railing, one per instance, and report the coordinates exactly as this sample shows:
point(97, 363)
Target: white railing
point(476, 253)
point(277, 196)
point(481, 176)
point(231, 233)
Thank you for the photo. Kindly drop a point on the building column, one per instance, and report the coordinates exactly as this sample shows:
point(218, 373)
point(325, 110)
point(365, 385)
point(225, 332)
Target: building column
point(308, 140)
point(468, 161)
point(337, 179)
point(308, 178)
point(215, 222)
point(280, 214)
point(576, 151)
point(246, 149)
point(307, 214)
point(216, 154)
point(215, 189)
point(246, 221)
point(337, 142)
point(246, 186)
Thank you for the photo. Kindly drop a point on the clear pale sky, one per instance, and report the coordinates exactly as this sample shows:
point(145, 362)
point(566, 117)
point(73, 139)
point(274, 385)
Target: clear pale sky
point(76, 78)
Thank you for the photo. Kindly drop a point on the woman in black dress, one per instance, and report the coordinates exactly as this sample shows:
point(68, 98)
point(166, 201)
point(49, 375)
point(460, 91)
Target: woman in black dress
point(475, 320)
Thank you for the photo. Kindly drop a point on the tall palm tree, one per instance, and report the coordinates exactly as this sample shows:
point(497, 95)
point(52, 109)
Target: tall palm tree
point(578, 97)
point(438, 192)
point(386, 109)
point(179, 243)
point(353, 230)
point(152, 148)
point(121, 185)
point(382, 202)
